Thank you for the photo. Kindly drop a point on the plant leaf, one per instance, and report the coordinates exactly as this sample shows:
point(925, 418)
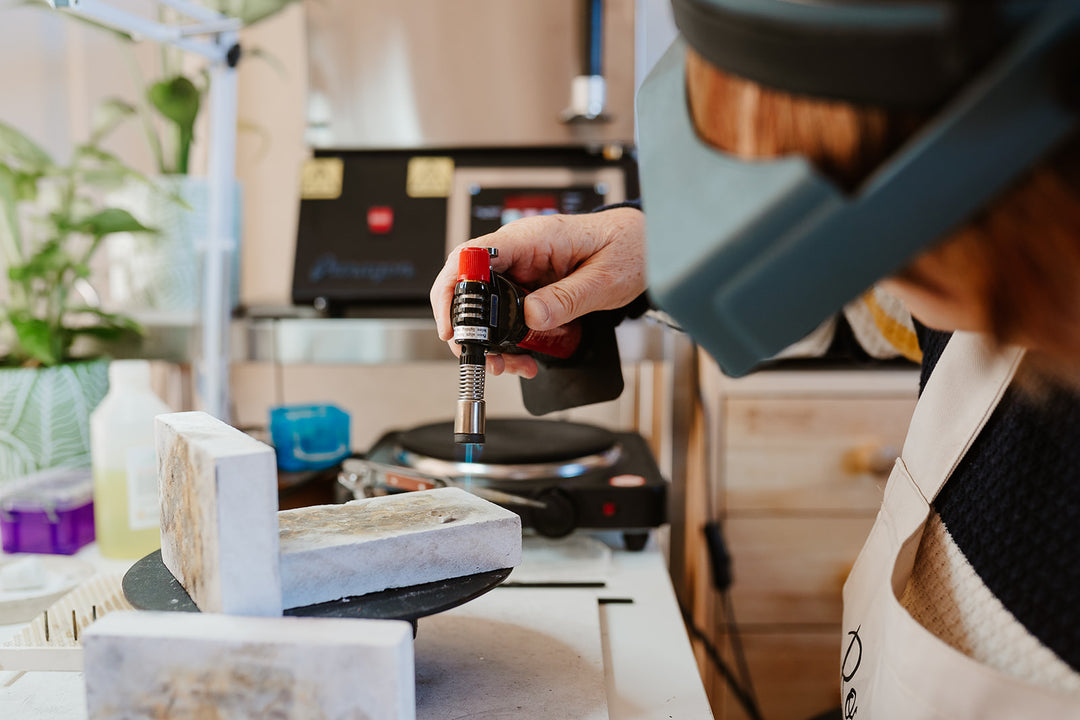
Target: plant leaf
point(110, 220)
point(249, 11)
point(38, 339)
point(113, 319)
point(106, 325)
point(110, 170)
point(108, 115)
point(101, 332)
point(269, 58)
point(260, 132)
point(10, 234)
point(177, 99)
point(17, 146)
point(26, 186)
point(47, 263)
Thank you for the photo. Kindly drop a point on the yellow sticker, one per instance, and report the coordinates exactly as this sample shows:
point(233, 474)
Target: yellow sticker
point(429, 177)
point(320, 178)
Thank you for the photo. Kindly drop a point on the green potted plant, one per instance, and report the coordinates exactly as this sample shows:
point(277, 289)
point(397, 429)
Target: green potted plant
point(160, 273)
point(52, 223)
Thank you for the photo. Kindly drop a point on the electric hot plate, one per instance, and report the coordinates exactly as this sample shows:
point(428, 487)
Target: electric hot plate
point(587, 477)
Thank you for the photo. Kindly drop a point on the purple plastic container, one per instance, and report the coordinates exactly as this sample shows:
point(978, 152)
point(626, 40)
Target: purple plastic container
point(51, 511)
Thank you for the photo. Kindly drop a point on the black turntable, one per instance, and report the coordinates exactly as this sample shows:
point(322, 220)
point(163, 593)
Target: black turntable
point(587, 477)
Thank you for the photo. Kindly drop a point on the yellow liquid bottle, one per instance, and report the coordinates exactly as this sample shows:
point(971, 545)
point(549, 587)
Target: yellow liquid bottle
point(114, 534)
point(126, 508)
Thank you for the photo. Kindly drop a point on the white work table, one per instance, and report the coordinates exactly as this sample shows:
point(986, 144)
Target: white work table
point(649, 671)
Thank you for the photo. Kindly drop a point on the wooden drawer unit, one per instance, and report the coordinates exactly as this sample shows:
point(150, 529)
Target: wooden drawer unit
point(805, 454)
point(796, 465)
point(794, 675)
point(790, 570)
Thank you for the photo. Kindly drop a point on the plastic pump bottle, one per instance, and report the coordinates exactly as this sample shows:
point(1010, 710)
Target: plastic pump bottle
point(126, 512)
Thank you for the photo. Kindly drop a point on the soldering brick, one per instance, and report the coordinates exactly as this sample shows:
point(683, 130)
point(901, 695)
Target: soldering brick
point(330, 552)
point(219, 529)
point(204, 665)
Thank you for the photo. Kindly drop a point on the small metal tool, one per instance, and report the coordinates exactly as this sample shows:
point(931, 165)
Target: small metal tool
point(365, 476)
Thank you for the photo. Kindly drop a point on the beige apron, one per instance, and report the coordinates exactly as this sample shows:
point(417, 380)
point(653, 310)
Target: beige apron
point(892, 666)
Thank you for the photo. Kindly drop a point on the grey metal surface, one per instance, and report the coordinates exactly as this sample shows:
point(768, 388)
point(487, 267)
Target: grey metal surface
point(481, 473)
point(367, 478)
point(169, 340)
point(377, 341)
point(431, 73)
point(333, 341)
point(339, 341)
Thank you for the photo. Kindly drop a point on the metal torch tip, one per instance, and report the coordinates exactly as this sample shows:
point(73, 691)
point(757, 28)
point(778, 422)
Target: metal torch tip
point(469, 422)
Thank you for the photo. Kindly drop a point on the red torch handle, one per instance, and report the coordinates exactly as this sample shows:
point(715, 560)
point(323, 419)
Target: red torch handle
point(560, 342)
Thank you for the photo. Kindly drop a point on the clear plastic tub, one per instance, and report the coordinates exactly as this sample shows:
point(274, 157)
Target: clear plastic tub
point(51, 511)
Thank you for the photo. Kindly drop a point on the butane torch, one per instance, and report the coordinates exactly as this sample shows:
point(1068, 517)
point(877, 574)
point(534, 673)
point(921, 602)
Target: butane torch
point(488, 315)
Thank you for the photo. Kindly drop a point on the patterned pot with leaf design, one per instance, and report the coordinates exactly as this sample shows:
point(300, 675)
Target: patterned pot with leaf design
point(45, 415)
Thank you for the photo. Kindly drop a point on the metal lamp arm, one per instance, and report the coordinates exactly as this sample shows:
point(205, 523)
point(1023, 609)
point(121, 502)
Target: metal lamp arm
point(220, 48)
point(181, 36)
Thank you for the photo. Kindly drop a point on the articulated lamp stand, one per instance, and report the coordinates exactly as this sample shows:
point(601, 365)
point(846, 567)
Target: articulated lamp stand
point(214, 37)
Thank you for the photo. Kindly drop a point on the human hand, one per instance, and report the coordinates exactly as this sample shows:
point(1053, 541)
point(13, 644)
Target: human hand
point(574, 265)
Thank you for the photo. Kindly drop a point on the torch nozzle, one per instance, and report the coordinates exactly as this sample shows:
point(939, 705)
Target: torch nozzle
point(469, 420)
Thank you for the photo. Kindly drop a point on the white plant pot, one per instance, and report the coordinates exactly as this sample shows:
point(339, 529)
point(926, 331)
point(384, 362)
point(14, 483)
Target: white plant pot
point(45, 416)
point(161, 273)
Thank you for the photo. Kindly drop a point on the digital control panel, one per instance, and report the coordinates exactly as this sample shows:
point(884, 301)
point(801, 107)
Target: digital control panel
point(494, 207)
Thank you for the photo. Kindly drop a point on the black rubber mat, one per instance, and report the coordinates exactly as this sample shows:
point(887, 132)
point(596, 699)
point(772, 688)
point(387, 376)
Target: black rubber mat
point(148, 585)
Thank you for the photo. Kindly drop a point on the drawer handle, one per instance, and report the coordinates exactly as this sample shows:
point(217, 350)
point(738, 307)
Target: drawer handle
point(871, 459)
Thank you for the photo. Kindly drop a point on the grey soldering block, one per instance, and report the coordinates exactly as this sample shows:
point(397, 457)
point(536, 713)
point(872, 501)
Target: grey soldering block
point(219, 530)
point(330, 552)
point(208, 665)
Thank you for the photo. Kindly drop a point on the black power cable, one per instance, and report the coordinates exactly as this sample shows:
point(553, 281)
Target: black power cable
point(747, 701)
point(737, 647)
point(720, 566)
point(720, 562)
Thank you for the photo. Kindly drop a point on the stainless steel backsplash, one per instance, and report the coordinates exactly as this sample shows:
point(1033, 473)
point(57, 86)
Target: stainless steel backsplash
point(461, 73)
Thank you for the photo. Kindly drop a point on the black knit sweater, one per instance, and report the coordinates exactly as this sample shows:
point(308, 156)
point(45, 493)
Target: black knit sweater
point(1012, 506)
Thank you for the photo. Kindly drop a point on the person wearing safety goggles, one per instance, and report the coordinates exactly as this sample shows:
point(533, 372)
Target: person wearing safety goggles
point(794, 154)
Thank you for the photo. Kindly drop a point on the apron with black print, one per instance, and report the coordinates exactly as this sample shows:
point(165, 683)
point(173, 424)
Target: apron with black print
point(892, 667)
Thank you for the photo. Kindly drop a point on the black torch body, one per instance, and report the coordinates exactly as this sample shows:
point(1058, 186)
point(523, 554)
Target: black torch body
point(470, 315)
point(488, 315)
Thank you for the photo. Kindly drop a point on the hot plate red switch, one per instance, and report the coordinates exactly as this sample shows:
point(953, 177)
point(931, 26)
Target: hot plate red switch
point(608, 509)
point(380, 219)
